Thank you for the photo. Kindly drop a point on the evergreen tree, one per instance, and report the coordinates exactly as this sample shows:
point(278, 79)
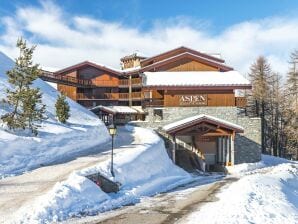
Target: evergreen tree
point(24, 100)
point(62, 108)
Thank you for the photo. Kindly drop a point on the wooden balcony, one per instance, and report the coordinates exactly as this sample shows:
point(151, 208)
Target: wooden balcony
point(134, 82)
point(134, 95)
point(66, 80)
point(240, 102)
point(103, 96)
point(153, 103)
point(104, 83)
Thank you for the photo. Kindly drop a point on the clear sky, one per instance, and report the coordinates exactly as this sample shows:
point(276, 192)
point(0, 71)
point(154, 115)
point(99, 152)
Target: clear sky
point(80, 29)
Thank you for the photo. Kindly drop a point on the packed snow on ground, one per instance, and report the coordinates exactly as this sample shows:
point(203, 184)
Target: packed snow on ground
point(143, 170)
point(21, 151)
point(262, 195)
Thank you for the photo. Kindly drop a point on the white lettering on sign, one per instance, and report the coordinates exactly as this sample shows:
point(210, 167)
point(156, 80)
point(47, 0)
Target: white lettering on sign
point(193, 100)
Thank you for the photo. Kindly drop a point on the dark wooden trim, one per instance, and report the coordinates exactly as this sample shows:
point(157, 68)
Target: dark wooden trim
point(180, 128)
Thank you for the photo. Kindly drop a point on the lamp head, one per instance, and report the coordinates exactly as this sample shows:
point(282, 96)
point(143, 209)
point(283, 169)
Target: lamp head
point(112, 129)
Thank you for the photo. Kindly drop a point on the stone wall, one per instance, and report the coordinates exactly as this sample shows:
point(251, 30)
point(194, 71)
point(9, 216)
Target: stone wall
point(247, 145)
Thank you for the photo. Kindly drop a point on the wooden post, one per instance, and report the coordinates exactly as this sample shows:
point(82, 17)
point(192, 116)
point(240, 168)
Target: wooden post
point(228, 151)
point(232, 150)
point(130, 91)
point(174, 150)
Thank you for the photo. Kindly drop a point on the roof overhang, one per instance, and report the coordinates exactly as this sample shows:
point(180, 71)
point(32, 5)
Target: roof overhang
point(178, 126)
point(198, 87)
point(180, 50)
point(191, 56)
point(88, 63)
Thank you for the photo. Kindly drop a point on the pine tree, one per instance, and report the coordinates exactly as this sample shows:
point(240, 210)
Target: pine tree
point(260, 73)
point(24, 100)
point(62, 108)
point(291, 112)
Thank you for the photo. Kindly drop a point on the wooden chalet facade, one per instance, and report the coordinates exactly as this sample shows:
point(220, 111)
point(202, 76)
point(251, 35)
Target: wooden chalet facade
point(172, 86)
point(101, 85)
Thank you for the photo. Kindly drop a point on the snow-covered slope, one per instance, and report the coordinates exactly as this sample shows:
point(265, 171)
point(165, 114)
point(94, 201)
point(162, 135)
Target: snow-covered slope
point(143, 169)
point(267, 192)
point(20, 152)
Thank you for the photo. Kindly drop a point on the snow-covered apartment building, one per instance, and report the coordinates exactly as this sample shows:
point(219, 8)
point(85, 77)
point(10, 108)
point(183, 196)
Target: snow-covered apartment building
point(189, 96)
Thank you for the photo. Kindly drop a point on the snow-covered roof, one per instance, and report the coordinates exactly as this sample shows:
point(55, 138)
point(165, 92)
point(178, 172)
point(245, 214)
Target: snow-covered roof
point(119, 109)
point(201, 78)
point(198, 118)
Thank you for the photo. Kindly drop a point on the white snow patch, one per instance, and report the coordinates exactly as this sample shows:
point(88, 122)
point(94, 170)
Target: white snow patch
point(185, 121)
point(21, 152)
point(267, 195)
point(143, 170)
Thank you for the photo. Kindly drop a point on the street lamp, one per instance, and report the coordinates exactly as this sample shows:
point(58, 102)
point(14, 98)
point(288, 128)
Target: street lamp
point(112, 130)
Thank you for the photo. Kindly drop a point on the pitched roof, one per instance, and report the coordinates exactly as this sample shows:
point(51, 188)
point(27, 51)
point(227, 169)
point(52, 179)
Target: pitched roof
point(92, 64)
point(118, 109)
point(183, 49)
point(201, 78)
point(191, 121)
point(189, 55)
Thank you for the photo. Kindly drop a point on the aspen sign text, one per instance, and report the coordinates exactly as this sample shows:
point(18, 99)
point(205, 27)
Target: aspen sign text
point(193, 100)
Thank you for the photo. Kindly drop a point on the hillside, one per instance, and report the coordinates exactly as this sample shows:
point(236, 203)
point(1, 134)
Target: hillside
point(20, 152)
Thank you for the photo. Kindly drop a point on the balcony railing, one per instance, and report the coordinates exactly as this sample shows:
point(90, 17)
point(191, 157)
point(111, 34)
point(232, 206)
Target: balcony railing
point(108, 96)
point(240, 101)
point(104, 82)
point(125, 82)
point(154, 103)
point(134, 95)
point(47, 76)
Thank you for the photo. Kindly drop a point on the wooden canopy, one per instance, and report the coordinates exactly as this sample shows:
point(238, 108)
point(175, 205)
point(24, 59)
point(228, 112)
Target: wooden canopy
point(203, 125)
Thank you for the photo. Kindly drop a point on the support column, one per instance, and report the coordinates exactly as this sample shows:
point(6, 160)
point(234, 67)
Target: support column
point(228, 151)
point(220, 150)
point(224, 150)
point(232, 150)
point(174, 150)
point(130, 91)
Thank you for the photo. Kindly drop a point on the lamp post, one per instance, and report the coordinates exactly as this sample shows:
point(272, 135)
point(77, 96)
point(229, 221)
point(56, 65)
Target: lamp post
point(112, 130)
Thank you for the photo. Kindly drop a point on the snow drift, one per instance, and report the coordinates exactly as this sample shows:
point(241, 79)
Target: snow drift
point(267, 192)
point(55, 141)
point(142, 169)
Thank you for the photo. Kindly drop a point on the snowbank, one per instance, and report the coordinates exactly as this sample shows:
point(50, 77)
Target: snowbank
point(267, 195)
point(20, 152)
point(267, 161)
point(142, 169)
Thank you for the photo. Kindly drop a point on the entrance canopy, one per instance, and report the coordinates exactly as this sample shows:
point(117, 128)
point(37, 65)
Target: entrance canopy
point(204, 125)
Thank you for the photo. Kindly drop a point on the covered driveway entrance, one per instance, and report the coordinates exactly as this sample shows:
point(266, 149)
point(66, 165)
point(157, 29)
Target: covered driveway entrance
point(210, 137)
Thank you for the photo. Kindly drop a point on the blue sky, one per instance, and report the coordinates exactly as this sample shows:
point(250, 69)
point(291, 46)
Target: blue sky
point(69, 31)
point(215, 15)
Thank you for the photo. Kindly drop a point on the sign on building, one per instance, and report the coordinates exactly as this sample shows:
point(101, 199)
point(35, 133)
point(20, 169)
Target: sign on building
point(189, 100)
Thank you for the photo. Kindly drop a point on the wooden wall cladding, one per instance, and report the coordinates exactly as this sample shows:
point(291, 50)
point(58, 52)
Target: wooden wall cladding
point(186, 65)
point(99, 77)
point(173, 99)
point(69, 91)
